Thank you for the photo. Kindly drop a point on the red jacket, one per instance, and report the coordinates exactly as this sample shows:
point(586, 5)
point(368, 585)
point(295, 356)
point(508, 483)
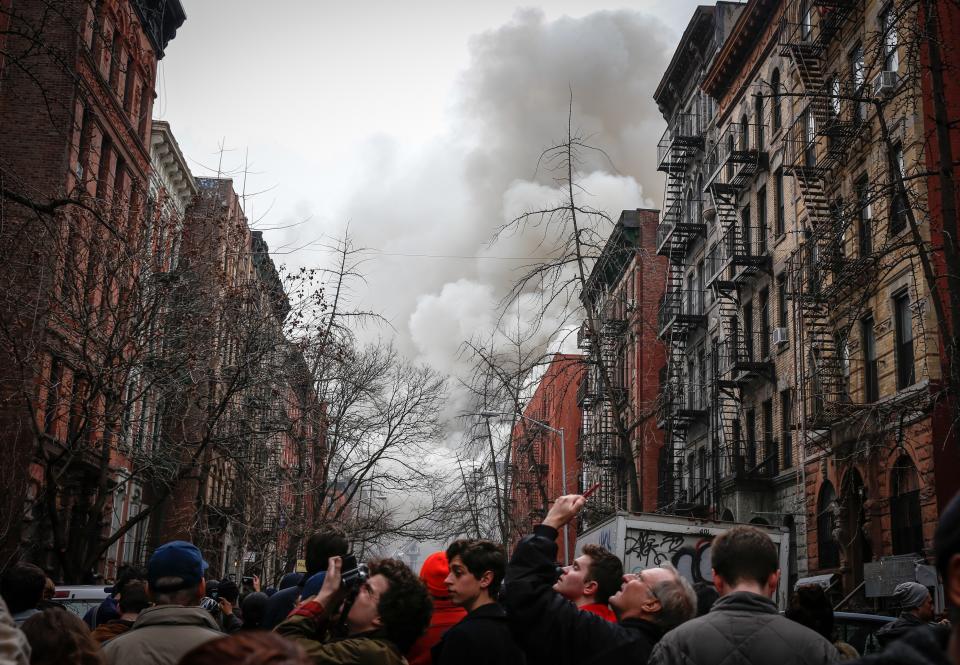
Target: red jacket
point(445, 615)
point(601, 610)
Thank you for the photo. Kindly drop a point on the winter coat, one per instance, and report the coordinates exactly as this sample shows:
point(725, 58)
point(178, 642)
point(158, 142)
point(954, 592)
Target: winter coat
point(894, 630)
point(279, 606)
point(550, 628)
point(480, 638)
point(445, 615)
point(308, 627)
point(743, 628)
point(161, 635)
point(927, 645)
point(14, 648)
point(109, 630)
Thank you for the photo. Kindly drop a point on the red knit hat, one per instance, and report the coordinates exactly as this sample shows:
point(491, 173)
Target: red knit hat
point(434, 571)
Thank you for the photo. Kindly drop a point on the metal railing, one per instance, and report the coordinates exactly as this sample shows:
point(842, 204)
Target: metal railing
point(678, 141)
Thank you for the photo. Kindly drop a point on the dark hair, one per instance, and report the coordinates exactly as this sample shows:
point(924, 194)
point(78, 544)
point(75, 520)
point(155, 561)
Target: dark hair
point(60, 638)
point(744, 553)
point(254, 647)
point(22, 586)
point(405, 607)
point(229, 591)
point(254, 608)
point(811, 607)
point(134, 597)
point(606, 570)
point(707, 595)
point(127, 574)
point(321, 546)
point(479, 556)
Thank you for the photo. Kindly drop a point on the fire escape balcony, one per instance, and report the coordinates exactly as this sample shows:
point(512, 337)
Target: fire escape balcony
point(681, 311)
point(741, 254)
point(679, 227)
point(747, 475)
point(807, 29)
point(591, 391)
point(744, 357)
point(615, 316)
point(821, 135)
point(679, 143)
point(685, 402)
point(737, 158)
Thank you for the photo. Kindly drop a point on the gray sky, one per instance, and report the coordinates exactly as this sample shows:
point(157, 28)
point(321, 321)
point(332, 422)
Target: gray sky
point(419, 124)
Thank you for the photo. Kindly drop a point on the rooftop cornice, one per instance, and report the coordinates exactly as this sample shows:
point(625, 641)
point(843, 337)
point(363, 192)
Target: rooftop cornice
point(160, 19)
point(166, 153)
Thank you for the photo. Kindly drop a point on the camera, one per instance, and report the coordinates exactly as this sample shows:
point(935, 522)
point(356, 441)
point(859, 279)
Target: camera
point(353, 574)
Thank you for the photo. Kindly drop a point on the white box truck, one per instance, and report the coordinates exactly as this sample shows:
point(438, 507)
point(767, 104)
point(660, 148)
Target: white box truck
point(644, 540)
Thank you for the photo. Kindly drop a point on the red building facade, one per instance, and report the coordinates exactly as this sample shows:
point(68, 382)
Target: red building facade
point(544, 445)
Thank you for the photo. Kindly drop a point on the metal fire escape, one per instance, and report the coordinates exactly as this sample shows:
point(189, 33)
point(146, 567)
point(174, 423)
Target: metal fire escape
point(740, 256)
point(820, 271)
point(599, 450)
point(681, 311)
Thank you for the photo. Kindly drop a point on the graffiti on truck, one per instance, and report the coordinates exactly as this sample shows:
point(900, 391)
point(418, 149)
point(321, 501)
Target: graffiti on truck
point(689, 553)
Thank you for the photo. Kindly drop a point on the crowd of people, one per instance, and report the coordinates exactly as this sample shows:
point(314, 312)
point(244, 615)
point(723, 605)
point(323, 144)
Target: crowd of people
point(470, 605)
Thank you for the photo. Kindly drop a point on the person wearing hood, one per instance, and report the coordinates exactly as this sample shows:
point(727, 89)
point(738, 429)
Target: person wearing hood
point(938, 644)
point(162, 634)
point(916, 609)
point(445, 614)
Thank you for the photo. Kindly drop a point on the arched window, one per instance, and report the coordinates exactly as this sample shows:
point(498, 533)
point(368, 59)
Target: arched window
point(905, 508)
point(700, 198)
point(758, 114)
point(775, 99)
point(828, 550)
point(744, 132)
point(689, 211)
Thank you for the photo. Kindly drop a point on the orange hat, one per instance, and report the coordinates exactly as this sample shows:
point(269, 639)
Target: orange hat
point(434, 571)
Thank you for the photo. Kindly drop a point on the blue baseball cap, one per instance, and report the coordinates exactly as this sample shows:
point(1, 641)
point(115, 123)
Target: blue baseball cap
point(313, 585)
point(177, 558)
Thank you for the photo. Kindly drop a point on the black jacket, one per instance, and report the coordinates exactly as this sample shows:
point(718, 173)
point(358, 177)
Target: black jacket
point(279, 605)
point(480, 638)
point(743, 629)
point(550, 628)
point(894, 630)
point(927, 645)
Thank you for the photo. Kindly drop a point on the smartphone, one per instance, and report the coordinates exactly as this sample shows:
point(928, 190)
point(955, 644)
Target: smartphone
point(247, 580)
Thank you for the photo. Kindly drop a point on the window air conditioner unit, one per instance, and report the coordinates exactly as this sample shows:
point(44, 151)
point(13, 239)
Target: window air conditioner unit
point(884, 84)
point(780, 336)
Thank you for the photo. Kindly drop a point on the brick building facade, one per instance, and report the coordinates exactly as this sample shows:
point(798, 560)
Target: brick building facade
point(538, 460)
point(798, 247)
point(623, 293)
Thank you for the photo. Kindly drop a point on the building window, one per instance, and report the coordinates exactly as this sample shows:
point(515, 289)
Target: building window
point(775, 99)
point(702, 466)
point(751, 439)
point(903, 317)
point(746, 233)
point(858, 77)
point(765, 323)
point(748, 331)
point(758, 113)
point(762, 212)
point(906, 524)
point(871, 376)
point(864, 217)
point(835, 95)
point(786, 427)
point(782, 300)
point(770, 452)
point(898, 202)
point(806, 21)
point(891, 41)
point(52, 404)
point(779, 211)
point(828, 550)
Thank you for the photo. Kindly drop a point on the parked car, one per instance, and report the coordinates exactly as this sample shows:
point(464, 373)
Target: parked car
point(859, 630)
point(79, 599)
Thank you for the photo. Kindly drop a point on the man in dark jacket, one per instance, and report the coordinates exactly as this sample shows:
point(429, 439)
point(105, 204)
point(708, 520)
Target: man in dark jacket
point(916, 609)
point(553, 630)
point(483, 636)
point(743, 627)
point(934, 645)
point(320, 547)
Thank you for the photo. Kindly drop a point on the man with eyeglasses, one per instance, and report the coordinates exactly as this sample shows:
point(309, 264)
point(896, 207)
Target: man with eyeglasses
point(553, 630)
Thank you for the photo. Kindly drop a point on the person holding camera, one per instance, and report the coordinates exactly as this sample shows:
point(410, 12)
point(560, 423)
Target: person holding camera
point(386, 611)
